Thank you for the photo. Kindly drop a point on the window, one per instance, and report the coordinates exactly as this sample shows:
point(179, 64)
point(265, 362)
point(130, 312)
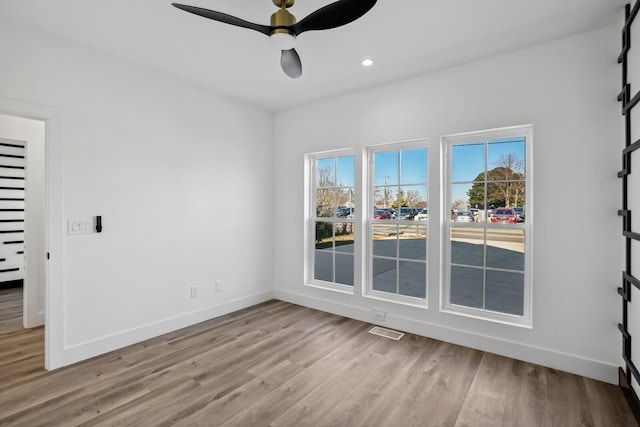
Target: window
point(487, 229)
point(374, 232)
point(398, 222)
point(332, 208)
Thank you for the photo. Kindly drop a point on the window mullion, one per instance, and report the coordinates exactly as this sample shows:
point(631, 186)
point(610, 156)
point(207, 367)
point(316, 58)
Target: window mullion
point(484, 233)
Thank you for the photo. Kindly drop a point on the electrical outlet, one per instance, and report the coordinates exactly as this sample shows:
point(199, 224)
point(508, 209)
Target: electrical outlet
point(218, 285)
point(379, 315)
point(194, 291)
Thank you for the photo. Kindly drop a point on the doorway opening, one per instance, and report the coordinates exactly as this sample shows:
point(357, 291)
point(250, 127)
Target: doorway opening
point(22, 213)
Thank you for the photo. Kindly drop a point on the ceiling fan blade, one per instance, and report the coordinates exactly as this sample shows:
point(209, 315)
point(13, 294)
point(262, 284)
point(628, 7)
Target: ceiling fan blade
point(223, 17)
point(334, 15)
point(290, 62)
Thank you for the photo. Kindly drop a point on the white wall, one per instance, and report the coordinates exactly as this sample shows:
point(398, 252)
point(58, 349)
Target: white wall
point(567, 90)
point(177, 174)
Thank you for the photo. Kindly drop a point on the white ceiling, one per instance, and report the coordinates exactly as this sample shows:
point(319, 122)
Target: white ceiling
point(406, 38)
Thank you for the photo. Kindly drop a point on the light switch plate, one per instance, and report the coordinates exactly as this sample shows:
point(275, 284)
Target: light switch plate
point(79, 226)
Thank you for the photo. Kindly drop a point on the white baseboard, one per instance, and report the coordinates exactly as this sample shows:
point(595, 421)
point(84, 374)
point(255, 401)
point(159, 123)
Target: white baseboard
point(571, 363)
point(98, 346)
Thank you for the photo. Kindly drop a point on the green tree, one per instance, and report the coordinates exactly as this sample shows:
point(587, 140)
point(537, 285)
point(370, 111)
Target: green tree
point(324, 230)
point(504, 187)
point(401, 200)
point(504, 184)
point(476, 192)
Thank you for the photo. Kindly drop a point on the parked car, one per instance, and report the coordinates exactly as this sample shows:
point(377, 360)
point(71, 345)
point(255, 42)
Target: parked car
point(504, 216)
point(464, 216)
point(405, 213)
point(519, 214)
point(345, 212)
point(390, 211)
point(381, 214)
point(422, 215)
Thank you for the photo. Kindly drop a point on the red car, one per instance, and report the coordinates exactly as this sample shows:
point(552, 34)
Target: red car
point(504, 216)
point(381, 214)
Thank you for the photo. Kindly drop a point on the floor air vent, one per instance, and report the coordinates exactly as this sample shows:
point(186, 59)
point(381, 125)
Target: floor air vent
point(387, 333)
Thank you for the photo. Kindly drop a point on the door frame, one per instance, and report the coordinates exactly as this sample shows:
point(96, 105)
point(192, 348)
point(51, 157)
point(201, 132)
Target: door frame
point(53, 224)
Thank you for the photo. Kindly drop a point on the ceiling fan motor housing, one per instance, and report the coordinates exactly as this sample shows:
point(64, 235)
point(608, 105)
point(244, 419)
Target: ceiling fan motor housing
point(282, 18)
point(288, 4)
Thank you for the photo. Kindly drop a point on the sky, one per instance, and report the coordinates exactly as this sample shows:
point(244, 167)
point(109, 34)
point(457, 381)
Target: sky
point(409, 168)
point(468, 161)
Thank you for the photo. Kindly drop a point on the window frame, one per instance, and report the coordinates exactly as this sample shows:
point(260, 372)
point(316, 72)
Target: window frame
point(526, 319)
point(311, 218)
point(367, 235)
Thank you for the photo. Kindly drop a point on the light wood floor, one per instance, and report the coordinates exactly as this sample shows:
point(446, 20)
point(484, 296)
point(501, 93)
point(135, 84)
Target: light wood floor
point(283, 365)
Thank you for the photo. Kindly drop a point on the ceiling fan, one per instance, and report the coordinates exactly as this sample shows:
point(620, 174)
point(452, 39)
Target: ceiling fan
point(284, 29)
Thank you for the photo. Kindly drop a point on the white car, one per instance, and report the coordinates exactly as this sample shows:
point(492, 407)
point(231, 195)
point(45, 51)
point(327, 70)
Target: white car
point(464, 216)
point(423, 215)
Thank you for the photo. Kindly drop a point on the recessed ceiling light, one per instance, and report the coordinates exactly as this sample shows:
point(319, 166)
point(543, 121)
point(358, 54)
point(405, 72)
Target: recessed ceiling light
point(367, 62)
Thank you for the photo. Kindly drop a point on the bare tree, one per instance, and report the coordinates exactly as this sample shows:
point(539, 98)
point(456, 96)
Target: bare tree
point(383, 197)
point(331, 194)
point(459, 203)
point(509, 174)
point(346, 197)
point(413, 198)
point(325, 193)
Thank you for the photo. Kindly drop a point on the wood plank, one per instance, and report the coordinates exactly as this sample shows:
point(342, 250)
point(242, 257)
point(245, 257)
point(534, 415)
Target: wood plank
point(434, 388)
point(284, 365)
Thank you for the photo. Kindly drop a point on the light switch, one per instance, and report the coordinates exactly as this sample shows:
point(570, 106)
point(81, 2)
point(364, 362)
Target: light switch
point(79, 226)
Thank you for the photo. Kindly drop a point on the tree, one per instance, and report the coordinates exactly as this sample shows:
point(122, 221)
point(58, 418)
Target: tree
point(325, 195)
point(476, 192)
point(510, 170)
point(504, 184)
point(400, 200)
point(382, 197)
point(413, 198)
point(330, 194)
point(459, 203)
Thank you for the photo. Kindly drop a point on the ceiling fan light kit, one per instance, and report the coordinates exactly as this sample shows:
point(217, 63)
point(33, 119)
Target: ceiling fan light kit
point(367, 62)
point(283, 41)
point(284, 28)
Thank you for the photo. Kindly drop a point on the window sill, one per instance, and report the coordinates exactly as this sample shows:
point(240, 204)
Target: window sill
point(343, 289)
point(397, 299)
point(490, 316)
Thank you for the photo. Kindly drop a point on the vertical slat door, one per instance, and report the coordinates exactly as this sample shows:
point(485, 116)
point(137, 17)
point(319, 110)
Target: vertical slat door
point(12, 206)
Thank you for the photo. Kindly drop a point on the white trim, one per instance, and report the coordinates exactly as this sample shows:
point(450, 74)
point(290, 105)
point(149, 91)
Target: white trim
point(526, 320)
point(398, 299)
point(54, 310)
point(572, 363)
point(336, 287)
point(105, 344)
